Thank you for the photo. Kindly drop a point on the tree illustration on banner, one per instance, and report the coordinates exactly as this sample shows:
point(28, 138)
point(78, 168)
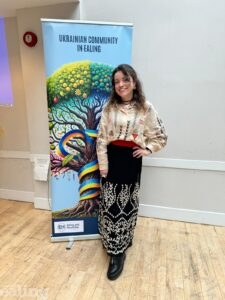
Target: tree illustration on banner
point(76, 94)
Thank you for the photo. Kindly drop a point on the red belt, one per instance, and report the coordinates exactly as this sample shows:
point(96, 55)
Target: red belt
point(124, 143)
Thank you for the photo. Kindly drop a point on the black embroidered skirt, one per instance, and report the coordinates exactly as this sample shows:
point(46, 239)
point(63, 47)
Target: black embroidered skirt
point(119, 203)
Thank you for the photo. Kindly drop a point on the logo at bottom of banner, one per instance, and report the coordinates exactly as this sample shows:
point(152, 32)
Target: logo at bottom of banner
point(69, 226)
point(76, 226)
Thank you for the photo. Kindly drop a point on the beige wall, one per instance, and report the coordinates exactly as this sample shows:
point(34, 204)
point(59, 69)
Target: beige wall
point(24, 126)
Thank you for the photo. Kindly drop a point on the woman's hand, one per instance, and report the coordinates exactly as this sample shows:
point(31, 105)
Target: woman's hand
point(139, 152)
point(103, 173)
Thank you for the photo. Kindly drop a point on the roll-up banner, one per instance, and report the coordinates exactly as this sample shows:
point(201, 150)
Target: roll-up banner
point(79, 59)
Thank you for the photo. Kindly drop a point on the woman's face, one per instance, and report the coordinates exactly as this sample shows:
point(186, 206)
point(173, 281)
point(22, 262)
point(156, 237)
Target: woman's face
point(124, 86)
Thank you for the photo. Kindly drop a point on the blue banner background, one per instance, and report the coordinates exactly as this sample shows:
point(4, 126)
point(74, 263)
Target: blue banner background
point(70, 47)
point(65, 52)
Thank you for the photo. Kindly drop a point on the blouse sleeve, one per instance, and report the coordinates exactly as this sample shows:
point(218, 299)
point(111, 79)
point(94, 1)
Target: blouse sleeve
point(102, 142)
point(154, 131)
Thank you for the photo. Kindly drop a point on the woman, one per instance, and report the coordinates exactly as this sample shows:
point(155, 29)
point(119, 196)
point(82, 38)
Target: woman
point(129, 129)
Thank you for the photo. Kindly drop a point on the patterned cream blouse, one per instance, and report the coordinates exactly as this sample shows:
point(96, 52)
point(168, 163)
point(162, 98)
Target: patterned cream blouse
point(125, 123)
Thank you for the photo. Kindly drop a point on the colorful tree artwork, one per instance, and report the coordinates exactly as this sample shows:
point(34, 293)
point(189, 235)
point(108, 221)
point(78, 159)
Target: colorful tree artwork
point(76, 94)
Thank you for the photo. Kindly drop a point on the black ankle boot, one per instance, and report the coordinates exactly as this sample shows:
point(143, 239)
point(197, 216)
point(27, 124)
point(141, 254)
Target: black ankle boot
point(115, 266)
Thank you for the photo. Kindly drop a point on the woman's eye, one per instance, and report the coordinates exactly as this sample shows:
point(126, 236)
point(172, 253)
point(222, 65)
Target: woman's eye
point(124, 80)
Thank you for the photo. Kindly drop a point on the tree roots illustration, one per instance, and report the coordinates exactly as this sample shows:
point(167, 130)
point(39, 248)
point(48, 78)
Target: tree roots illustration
point(76, 95)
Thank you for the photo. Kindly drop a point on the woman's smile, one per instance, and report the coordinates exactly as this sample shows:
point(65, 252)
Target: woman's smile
point(124, 86)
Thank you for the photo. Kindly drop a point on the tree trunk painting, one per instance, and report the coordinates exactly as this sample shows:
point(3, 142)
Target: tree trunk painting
point(76, 95)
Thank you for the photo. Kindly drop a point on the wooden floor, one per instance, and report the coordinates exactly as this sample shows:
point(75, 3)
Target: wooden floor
point(168, 260)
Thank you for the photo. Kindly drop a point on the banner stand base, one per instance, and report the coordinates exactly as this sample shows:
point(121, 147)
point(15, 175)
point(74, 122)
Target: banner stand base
point(72, 239)
point(70, 245)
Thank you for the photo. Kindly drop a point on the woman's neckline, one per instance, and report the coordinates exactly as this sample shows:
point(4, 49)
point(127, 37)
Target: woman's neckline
point(126, 102)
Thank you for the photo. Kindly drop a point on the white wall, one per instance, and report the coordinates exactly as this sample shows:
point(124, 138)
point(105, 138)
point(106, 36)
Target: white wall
point(178, 51)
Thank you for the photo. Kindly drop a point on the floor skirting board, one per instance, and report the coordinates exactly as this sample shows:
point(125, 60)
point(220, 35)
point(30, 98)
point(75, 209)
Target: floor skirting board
point(152, 211)
point(42, 203)
point(185, 215)
point(25, 196)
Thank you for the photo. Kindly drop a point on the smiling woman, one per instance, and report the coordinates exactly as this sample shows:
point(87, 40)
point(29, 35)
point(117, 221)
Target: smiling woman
point(6, 96)
point(129, 129)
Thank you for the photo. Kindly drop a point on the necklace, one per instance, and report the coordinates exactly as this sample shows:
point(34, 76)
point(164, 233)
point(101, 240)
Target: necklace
point(127, 102)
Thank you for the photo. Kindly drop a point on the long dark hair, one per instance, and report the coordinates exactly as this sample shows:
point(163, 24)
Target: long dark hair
point(138, 95)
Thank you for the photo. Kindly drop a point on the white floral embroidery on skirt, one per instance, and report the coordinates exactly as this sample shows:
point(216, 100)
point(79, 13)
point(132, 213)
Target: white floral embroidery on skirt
point(118, 215)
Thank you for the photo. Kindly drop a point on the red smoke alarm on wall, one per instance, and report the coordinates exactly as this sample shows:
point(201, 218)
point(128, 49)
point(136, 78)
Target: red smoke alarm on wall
point(30, 39)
